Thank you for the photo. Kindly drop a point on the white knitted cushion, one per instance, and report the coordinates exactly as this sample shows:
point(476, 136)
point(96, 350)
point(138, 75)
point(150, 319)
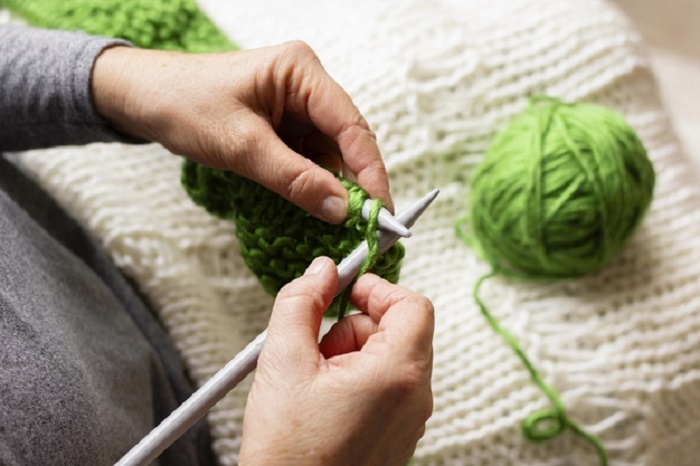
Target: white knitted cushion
point(622, 346)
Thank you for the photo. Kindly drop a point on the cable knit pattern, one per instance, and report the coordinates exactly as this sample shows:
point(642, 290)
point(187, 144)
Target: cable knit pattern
point(622, 346)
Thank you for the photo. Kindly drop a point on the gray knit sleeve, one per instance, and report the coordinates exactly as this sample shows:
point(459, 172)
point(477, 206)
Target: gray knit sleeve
point(45, 89)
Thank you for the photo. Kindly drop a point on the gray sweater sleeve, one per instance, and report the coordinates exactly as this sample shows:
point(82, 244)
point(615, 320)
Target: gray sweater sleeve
point(45, 89)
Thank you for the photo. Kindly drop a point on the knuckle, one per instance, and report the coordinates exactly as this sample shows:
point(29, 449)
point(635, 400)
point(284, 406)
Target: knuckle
point(420, 433)
point(356, 130)
point(411, 379)
point(414, 300)
point(427, 405)
point(425, 304)
point(300, 48)
point(411, 387)
point(293, 58)
point(300, 183)
point(376, 168)
point(299, 294)
point(384, 298)
point(416, 385)
point(370, 133)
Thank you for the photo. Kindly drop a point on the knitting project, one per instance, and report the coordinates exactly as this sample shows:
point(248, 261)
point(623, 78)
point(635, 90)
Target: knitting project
point(621, 346)
point(278, 239)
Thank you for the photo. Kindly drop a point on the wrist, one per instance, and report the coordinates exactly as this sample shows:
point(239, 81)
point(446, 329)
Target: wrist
point(107, 86)
point(118, 89)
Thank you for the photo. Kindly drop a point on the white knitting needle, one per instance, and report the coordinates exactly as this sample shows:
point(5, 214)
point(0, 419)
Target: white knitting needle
point(385, 220)
point(201, 401)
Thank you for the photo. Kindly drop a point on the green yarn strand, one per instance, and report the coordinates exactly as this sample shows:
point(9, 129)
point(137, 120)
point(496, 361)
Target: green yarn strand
point(372, 255)
point(548, 423)
point(372, 238)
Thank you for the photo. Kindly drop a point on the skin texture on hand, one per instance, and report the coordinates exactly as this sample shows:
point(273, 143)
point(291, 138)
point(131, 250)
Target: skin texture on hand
point(272, 115)
point(360, 397)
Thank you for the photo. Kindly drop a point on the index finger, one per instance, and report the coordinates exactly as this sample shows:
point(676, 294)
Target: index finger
point(405, 318)
point(333, 112)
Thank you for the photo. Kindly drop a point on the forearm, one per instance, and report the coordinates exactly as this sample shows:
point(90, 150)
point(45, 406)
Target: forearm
point(45, 89)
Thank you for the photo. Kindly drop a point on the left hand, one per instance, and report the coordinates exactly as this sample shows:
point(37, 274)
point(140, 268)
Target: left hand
point(267, 114)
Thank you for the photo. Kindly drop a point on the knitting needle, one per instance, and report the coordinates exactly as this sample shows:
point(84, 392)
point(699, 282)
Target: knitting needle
point(354, 261)
point(226, 379)
point(385, 220)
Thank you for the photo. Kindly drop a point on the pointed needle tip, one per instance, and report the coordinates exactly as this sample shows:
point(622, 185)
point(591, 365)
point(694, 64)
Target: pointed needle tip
point(410, 215)
point(388, 222)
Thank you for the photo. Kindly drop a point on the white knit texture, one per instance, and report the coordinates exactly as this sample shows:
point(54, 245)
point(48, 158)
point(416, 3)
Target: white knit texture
point(622, 346)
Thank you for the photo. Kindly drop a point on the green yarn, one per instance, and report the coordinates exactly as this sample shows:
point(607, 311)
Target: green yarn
point(157, 24)
point(557, 195)
point(559, 191)
point(278, 240)
point(547, 423)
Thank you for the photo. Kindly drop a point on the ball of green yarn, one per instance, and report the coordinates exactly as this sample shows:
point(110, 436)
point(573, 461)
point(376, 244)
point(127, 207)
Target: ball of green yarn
point(278, 240)
point(559, 191)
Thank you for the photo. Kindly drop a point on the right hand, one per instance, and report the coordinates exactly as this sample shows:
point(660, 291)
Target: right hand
point(361, 397)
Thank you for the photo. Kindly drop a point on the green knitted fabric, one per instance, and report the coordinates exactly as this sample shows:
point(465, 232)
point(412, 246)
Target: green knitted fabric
point(278, 239)
point(156, 24)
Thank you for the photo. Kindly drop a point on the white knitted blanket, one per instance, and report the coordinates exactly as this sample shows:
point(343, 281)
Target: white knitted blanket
point(622, 346)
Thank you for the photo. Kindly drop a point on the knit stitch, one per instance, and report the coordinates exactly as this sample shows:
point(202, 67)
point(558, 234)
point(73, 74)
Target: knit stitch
point(278, 239)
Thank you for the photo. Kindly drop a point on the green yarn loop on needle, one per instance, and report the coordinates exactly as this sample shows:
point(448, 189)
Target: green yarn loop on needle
point(278, 240)
point(558, 193)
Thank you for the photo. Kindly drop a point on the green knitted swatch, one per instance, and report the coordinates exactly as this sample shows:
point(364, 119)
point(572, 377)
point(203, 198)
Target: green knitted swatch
point(278, 239)
point(156, 24)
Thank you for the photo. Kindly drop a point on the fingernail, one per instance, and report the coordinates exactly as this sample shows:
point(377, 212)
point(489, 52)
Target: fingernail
point(316, 266)
point(334, 209)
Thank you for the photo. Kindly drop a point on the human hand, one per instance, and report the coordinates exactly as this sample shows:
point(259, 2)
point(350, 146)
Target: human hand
point(251, 112)
point(361, 397)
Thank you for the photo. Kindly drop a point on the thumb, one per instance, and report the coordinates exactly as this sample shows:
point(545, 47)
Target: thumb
point(294, 177)
point(296, 315)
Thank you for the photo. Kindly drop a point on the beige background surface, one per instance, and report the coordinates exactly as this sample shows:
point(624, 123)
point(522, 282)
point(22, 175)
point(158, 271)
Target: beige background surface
point(672, 28)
